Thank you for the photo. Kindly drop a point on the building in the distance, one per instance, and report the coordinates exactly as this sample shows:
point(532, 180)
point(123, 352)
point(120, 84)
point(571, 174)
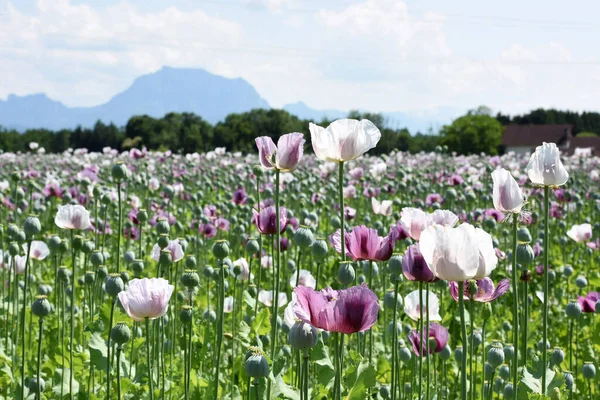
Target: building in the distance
point(523, 139)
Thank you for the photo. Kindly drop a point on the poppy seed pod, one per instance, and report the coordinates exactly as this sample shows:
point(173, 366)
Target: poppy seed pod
point(303, 336)
point(256, 366)
point(209, 315)
point(125, 277)
point(102, 272)
point(220, 249)
point(588, 370)
point(32, 226)
point(190, 279)
point(509, 351)
point(13, 249)
point(346, 273)
point(504, 372)
point(63, 247)
point(54, 242)
point(137, 266)
point(508, 391)
point(252, 246)
point(404, 354)
point(119, 171)
point(97, 258)
point(163, 227)
point(319, 249)
point(89, 278)
point(114, 285)
point(186, 314)
point(190, 262)
point(41, 307)
point(142, 215)
point(163, 241)
point(129, 256)
point(120, 334)
point(525, 254)
point(165, 258)
point(495, 355)
point(77, 242)
point(581, 282)
point(388, 300)
point(458, 353)
point(303, 237)
point(395, 264)
point(63, 273)
point(558, 356)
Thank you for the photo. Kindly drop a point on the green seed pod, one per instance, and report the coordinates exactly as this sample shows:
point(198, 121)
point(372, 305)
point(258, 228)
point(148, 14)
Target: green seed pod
point(63, 274)
point(142, 215)
point(525, 254)
point(137, 266)
point(165, 258)
point(220, 249)
point(346, 273)
point(120, 334)
point(89, 278)
point(404, 354)
point(32, 226)
point(303, 237)
point(41, 307)
point(163, 227)
point(119, 171)
point(495, 355)
point(395, 264)
point(303, 336)
point(63, 247)
point(252, 246)
point(54, 242)
point(190, 279)
point(588, 370)
point(102, 272)
point(256, 366)
point(190, 262)
point(523, 235)
point(114, 285)
point(319, 249)
point(163, 241)
point(14, 249)
point(77, 242)
point(446, 353)
point(125, 277)
point(186, 314)
point(573, 309)
point(97, 258)
point(88, 247)
point(558, 356)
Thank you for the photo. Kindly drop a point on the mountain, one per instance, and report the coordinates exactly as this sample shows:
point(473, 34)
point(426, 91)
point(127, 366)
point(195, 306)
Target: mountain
point(156, 94)
point(183, 90)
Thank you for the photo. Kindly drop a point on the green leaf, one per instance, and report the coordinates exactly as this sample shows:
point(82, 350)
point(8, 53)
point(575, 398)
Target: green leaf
point(360, 380)
point(319, 355)
point(281, 388)
point(262, 324)
point(98, 351)
point(278, 366)
point(250, 301)
point(65, 387)
point(7, 371)
point(534, 385)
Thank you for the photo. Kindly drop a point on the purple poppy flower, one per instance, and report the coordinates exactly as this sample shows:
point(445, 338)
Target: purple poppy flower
point(210, 211)
point(433, 198)
point(346, 311)
point(414, 266)
point(265, 220)
point(132, 233)
point(588, 303)
point(285, 156)
point(537, 249)
point(365, 244)
point(316, 197)
point(240, 197)
point(222, 224)
point(402, 231)
point(208, 230)
point(436, 331)
point(493, 213)
point(349, 213)
point(486, 291)
point(455, 180)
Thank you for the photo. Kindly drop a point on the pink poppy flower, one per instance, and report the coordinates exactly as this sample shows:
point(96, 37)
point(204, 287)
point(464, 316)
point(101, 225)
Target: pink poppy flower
point(486, 291)
point(365, 244)
point(588, 303)
point(436, 331)
point(346, 311)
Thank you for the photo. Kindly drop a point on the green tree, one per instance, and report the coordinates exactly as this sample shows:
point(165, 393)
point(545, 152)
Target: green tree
point(473, 133)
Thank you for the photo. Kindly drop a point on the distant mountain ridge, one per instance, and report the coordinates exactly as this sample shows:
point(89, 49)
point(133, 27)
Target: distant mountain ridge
point(174, 90)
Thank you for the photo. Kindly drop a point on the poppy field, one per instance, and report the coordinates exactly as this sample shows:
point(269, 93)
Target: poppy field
point(280, 274)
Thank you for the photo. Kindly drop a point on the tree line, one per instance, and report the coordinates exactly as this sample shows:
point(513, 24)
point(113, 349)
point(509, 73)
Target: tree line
point(477, 131)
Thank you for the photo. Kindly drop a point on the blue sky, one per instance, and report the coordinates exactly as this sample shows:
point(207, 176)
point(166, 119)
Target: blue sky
point(380, 55)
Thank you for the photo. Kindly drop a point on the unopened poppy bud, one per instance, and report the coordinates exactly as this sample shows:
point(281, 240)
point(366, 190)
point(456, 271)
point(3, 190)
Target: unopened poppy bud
point(186, 314)
point(210, 316)
point(125, 277)
point(63, 247)
point(472, 287)
point(303, 336)
point(120, 334)
point(137, 266)
point(32, 226)
point(558, 356)
point(486, 313)
point(509, 351)
point(581, 282)
point(129, 256)
point(508, 391)
point(220, 249)
point(41, 306)
point(44, 289)
point(390, 298)
point(303, 237)
point(504, 371)
point(54, 242)
point(495, 355)
point(346, 273)
point(13, 249)
point(404, 354)
point(395, 264)
point(119, 171)
point(458, 353)
point(97, 258)
point(569, 380)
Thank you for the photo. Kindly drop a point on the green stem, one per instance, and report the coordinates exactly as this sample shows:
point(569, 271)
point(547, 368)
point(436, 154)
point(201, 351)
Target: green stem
point(545, 317)
point(72, 331)
point(219, 326)
point(149, 359)
point(23, 312)
point(118, 229)
point(39, 358)
point(463, 361)
point(394, 340)
point(471, 349)
point(515, 307)
point(108, 349)
point(422, 336)
point(426, 338)
point(118, 372)
point(277, 277)
point(306, 375)
point(370, 330)
point(341, 197)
